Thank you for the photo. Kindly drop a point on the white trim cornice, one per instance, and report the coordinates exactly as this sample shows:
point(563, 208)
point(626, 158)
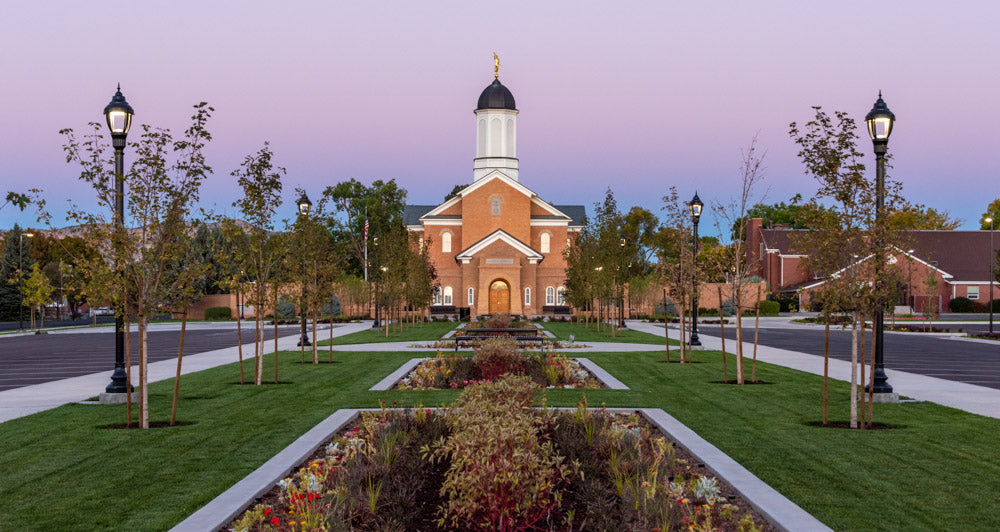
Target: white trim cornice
point(500, 235)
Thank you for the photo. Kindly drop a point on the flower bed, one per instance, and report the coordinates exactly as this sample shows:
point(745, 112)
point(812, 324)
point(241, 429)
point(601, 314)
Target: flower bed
point(455, 371)
point(492, 462)
point(494, 358)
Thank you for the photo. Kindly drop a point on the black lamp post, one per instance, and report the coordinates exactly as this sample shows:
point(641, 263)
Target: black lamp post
point(376, 323)
point(880, 122)
point(304, 205)
point(990, 275)
point(621, 281)
point(695, 205)
point(119, 113)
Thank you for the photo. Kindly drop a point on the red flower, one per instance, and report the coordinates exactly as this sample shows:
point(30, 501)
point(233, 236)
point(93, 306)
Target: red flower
point(267, 511)
point(310, 496)
point(275, 521)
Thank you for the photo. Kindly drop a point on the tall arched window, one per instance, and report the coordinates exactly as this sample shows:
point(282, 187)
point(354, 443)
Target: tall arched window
point(446, 242)
point(481, 138)
point(546, 242)
point(550, 295)
point(495, 206)
point(447, 295)
point(472, 296)
point(437, 295)
point(527, 297)
point(561, 296)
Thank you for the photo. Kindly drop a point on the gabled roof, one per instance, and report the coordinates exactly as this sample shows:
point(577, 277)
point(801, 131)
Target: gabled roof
point(499, 235)
point(575, 215)
point(960, 255)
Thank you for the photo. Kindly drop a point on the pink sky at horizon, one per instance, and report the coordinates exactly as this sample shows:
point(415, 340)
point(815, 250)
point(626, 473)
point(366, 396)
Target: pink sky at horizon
point(637, 99)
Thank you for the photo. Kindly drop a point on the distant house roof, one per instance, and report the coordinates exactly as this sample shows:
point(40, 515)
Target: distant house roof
point(577, 213)
point(963, 254)
point(412, 213)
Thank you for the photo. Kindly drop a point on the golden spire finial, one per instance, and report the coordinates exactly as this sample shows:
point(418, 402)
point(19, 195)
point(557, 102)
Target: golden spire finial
point(496, 66)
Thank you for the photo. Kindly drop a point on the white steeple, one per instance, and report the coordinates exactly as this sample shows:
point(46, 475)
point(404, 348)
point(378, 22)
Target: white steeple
point(496, 131)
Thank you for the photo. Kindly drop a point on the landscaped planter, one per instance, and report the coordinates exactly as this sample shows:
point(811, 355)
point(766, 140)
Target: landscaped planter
point(455, 371)
point(494, 463)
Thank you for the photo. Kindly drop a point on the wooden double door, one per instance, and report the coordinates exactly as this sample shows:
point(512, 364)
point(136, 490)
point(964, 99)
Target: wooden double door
point(499, 297)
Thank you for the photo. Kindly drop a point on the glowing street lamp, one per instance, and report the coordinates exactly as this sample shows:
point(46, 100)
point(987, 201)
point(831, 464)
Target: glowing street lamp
point(880, 122)
point(304, 206)
point(118, 114)
point(695, 205)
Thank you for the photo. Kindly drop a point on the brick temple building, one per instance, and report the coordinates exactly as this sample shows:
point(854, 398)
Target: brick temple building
point(497, 246)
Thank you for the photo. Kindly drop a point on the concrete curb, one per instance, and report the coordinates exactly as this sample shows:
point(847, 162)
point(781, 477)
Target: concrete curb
point(601, 375)
point(390, 381)
point(221, 510)
point(781, 512)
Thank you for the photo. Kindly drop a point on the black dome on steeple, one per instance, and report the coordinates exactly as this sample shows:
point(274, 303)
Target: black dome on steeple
point(496, 96)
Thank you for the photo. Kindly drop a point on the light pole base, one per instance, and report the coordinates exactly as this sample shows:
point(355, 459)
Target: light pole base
point(303, 342)
point(116, 398)
point(890, 397)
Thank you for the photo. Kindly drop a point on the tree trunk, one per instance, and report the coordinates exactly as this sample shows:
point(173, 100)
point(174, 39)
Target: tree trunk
point(739, 344)
point(722, 333)
point(331, 334)
point(315, 341)
point(871, 384)
point(275, 333)
point(180, 356)
point(864, 336)
point(826, 368)
point(854, 373)
point(239, 335)
point(756, 329)
point(143, 376)
point(682, 323)
point(258, 350)
point(128, 374)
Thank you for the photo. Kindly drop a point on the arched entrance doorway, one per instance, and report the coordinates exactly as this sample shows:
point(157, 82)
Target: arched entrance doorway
point(499, 297)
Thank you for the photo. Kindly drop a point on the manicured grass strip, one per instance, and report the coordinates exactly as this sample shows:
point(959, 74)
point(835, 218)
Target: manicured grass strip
point(426, 332)
point(582, 333)
point(939, 469)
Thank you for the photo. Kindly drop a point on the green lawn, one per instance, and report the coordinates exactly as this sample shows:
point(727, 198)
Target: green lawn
point(427, 332)
point(60, 470)
point(582, 333)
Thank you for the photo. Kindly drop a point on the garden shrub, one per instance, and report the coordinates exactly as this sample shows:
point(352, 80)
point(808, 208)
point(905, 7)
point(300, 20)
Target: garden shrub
point(702, 311)
point(496, 356)
point(729, 307)
point(286, 309)
point(218, 313)
point(502, 476)
point(960, 304)
point(498, 321)
point(769, 308)
point(666, 308)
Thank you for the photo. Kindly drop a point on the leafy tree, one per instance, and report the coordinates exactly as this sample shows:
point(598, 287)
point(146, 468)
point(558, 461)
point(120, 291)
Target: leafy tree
point(21, 201)
point(136, 264)
point(380, 204)
point(910, 217)
point(734, 255)
point(848, 240)
point(260, 181)
point(16, 259)
point(992, 211)
point(37, 293)
point(454, 191)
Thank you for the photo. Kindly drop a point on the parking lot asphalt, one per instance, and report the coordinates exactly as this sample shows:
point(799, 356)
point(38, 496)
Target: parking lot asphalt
point(933, 355)
point(34, 359)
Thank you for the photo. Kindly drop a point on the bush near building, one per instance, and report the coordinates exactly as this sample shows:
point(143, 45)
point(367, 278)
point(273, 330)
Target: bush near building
point(218, 313)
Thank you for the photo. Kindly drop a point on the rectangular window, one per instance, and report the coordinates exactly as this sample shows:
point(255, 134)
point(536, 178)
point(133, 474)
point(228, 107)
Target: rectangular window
point(437, 296)
point(447, 295)
point(550, 295)
point(472, 296)
point(973, 292)
point(527, 297)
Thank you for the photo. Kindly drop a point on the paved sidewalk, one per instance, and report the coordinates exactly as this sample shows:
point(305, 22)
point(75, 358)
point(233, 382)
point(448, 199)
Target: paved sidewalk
point(969, 397)
point(28, 400)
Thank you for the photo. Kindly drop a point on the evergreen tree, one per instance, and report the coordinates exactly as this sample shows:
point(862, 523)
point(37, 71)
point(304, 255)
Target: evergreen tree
point(16, 260)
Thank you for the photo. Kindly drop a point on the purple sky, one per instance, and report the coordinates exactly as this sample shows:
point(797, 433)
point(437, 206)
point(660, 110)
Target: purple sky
point(660, 94)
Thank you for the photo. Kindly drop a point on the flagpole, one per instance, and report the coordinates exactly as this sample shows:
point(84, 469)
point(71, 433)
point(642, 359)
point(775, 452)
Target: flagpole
point(366, 244)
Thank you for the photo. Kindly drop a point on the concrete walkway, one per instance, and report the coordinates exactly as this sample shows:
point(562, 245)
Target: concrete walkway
point(28, 400)
point(969, 397)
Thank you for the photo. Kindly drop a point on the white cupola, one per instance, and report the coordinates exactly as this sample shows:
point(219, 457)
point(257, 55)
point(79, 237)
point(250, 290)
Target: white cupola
point(496, 132)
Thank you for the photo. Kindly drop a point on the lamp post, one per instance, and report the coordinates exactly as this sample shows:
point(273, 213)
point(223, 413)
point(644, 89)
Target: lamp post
point(621, 288)
point(880, 122)
point(118, 114)
point(304, 205)
point(376, 322)
point(20, 275)
point(909, 281)
point(695, 205)
point(989, 271)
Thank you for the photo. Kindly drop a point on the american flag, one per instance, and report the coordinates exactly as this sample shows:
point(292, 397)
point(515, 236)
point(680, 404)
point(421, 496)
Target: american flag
point(366, 228)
